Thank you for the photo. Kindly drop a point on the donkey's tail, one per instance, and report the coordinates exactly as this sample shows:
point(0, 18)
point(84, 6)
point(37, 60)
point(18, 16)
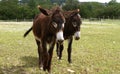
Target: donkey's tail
point(27, 32)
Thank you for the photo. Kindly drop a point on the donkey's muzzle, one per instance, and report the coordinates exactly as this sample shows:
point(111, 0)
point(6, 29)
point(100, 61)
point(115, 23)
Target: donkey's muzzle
point(77, 38)
point(60, 37)
point(77, 35)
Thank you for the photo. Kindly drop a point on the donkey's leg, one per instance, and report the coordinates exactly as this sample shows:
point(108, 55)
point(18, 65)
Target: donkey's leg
point(45, 56)
point(69, 49)
point(57, 49)
point(50, 55)
point(60, 52)
point(40, 54)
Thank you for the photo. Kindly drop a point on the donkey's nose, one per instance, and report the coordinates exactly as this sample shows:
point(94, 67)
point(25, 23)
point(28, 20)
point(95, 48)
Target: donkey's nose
point(60, 37)
point(77, 35)
point(77, 38)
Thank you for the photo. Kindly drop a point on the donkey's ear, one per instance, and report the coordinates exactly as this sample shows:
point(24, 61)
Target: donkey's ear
point(43, 11)
point(74, 12)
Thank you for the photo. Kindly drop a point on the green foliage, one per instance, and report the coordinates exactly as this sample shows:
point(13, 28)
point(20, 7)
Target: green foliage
point(59, 2)
point(90, 9)
point(12, 9)
point(71, 5)
point(95, 9)
point(111, 11)
point(8, 9)
point(20, 9)
point(112, 2)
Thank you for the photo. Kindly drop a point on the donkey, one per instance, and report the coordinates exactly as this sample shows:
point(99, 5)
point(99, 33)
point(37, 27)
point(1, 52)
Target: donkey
point(72, 28)
point(47, 29)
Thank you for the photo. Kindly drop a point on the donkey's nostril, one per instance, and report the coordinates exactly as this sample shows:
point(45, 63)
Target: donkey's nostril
point(77, 38)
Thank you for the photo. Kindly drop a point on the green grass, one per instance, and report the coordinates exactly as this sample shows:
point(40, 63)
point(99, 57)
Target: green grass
point(97, 52)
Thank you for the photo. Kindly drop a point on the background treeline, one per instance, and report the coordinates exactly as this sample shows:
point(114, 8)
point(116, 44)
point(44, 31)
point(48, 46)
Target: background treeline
point(27, 9)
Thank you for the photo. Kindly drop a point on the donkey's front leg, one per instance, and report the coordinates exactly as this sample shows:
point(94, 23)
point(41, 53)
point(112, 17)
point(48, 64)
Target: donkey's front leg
point(60, 52)
point(57, 49)
point(69, 49)
point(45, 57)
point(50, 55)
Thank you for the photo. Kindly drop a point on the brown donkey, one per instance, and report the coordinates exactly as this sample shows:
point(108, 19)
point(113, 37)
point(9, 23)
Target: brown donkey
point(72, 28)
point(47, 29)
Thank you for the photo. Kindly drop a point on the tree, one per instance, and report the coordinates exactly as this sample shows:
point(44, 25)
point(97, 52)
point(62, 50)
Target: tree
point(112, 2)
point(71, 4)
point(8, 9)
point(112, 10)
point(12, 9)
point(91, 9)
point(59, 2)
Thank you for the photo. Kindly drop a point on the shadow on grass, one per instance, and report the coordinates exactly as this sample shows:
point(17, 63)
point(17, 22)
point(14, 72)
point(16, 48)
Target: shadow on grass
point(30, 61)
point(27, 63)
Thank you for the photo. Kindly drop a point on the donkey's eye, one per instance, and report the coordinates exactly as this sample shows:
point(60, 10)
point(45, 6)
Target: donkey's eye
point(54, 24)
point(74, 24)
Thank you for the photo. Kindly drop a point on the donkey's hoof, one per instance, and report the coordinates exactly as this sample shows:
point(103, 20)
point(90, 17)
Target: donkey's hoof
point(41, 68)
point(58, 58)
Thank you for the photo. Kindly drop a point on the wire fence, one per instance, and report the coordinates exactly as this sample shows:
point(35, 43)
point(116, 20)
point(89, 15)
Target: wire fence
point(85, 20)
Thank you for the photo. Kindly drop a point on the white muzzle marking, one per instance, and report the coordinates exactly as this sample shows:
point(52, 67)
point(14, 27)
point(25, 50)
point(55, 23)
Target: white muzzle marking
point(77, 34)
point(60, 35)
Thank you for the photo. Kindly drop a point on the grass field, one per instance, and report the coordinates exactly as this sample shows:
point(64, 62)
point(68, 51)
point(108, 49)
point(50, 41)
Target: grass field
point(97, 52)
